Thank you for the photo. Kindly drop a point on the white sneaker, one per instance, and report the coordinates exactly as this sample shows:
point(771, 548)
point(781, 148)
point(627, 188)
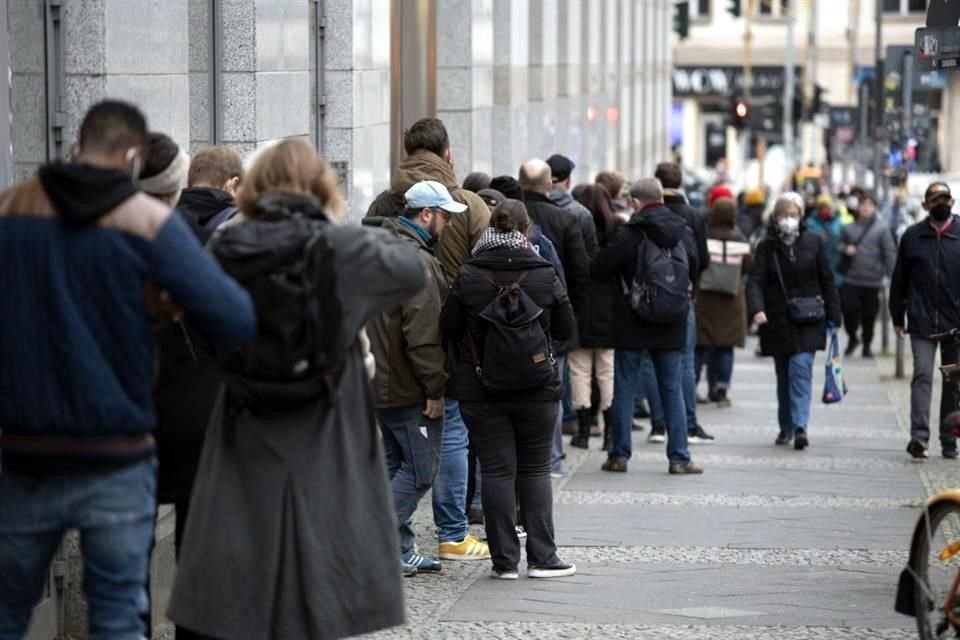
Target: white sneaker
point(559, 570)
point(521, 533)
point(657, 437)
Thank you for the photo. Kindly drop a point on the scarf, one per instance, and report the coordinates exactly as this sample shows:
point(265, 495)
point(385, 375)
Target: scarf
point(493, 239)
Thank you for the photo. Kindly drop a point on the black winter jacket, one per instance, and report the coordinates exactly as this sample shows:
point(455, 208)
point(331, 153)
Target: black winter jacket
point(564, 232)
point(697, 222)
point(806, 272)
point(595, 319)
point(926, 280)
point(472, 292)
point(617, 263)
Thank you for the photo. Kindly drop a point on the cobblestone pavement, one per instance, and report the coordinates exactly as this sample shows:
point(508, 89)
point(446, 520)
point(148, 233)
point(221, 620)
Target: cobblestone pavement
point(768, 543)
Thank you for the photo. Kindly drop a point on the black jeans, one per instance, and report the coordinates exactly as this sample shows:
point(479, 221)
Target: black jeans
point(514, 442)
point(860, 308)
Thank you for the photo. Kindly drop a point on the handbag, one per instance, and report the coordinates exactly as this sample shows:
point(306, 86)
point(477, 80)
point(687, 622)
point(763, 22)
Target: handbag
point(802, 309)
point(834, 386)
point(721, 276)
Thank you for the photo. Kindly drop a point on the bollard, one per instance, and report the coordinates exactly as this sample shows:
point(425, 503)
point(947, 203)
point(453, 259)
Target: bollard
point(899, 357)
point(884, 322)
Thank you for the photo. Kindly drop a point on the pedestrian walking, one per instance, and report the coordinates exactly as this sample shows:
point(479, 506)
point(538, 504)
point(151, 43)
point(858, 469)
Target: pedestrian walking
point(750, 216)
point(430, 157)
point(722, 300)
point(791, 297)
point(822, 219)
point(501, 314)
point(411, 376)
point(80, 241)
point(925, 300)
point(654, 249)
point(292, 477)
point(868, 257)
point(595, 322)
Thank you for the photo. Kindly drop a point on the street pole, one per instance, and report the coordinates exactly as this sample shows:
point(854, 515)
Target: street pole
point(907, 98)
point(878, 186)
point(747, 87)
point(788, 92)
point(810, 85)
point(863, 134)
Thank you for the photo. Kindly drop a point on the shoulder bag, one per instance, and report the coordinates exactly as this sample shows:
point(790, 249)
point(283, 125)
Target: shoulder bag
point(802, 309)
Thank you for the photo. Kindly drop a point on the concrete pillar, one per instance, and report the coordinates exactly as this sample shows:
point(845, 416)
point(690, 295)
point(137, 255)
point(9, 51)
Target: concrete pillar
point(455, 79)
point(6, 146)
point(511, 20)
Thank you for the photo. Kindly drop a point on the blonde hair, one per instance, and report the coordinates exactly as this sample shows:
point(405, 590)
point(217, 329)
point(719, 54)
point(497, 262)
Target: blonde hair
point(291, 165)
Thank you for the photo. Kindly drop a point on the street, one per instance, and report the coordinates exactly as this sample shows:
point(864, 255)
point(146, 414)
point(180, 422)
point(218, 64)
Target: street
point(768, 543)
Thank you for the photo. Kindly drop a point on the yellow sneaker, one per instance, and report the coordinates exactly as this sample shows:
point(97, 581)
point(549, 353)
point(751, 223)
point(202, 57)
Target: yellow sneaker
point(470, 548)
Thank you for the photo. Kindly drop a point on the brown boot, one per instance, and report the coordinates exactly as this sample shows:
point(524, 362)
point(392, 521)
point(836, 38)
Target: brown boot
point(582, 439)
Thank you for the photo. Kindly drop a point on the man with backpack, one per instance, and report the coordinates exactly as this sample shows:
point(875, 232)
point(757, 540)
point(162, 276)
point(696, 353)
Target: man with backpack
point(411, 375)
point(655, 267)
point(210, 197)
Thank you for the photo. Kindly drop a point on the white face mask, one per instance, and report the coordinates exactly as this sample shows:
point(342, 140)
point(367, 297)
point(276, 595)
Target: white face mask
point(789, 228)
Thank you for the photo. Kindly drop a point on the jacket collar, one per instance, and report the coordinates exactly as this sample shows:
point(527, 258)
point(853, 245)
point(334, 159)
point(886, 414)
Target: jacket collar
point(531, 196)
point(409, 231)
point(949, 230)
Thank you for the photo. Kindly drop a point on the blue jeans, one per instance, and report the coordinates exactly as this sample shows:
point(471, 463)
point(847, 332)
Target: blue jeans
point(719, 362)
point(411, 444)
point(114, 512)
point(689, 371)
point(450, 485)
point(794, 390)
point(668, 366)
point(556, 456)
point(648, 387)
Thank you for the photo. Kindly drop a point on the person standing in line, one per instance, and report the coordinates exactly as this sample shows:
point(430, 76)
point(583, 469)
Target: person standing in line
point(595, 355)
point(791, 297)
point(476, 182)
point(212, 185)
point(721, 300)
point(924, 301)
point(508, 295)
point(868, 257)
point(632, 336)
point(82, 245)
point(292, 477)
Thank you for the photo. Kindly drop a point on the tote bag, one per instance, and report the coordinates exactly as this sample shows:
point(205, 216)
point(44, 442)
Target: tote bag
point(834, 386)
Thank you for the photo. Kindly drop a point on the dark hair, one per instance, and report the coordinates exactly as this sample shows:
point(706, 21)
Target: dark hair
point(510, 215)
point(428, 134)
point(508, 186)
point(578, 189)
point(669, 174)
point(612, 181)
point(596, 198)
point(112, 125)
point(868, 195)
point(214, 166)
point(476, 181)
point(158, 153)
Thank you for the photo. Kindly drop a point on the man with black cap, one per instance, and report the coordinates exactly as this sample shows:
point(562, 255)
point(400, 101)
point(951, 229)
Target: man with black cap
point(561, 168)
point(926, 289)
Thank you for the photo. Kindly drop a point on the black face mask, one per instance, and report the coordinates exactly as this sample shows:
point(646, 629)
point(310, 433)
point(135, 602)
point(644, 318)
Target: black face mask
point(940, 212)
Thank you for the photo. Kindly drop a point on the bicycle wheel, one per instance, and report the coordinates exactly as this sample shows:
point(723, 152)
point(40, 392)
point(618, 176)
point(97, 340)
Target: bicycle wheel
point(935, 561)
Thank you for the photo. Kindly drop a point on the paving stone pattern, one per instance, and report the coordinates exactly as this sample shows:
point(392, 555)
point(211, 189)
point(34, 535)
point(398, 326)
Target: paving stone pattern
point(768, 543)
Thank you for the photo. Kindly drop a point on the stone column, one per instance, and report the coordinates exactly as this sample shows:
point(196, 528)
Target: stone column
point(510, 85)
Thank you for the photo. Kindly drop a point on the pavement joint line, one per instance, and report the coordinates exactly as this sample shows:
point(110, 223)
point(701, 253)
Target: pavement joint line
point(648, 554)
point(720, 429)
point(802, 501)
point(801, 460)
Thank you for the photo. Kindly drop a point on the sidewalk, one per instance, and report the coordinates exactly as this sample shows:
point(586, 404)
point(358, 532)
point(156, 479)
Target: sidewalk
point(768, 543)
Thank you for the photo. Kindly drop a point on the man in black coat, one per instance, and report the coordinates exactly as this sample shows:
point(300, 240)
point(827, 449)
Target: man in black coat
point(652, 222)
point(926, 290)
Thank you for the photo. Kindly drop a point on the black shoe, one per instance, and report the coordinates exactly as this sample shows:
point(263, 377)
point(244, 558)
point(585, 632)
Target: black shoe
point(657, 435)
point(723, 402)
point(950, 454)
point(916, 450)
point(699, 436)
point(852, 346)
point(800, 441)
point(617, 465)
point(785, 437)
point(607, 430)
point(557, 570)
point(642, 412)
point(687, 468)
point(867, 353)
point(582, 439)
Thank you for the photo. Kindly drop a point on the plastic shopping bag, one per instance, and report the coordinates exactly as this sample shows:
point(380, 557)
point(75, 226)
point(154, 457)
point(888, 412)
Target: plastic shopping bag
point(834, 387)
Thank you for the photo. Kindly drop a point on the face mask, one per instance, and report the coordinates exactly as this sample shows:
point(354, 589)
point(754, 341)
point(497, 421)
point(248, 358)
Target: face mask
point(825, 214)
point(940, 212)
point(789, 229)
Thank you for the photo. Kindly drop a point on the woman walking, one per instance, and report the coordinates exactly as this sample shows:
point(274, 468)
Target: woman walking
point(595, 322)
point(501, 314)
point(292, 474)
point(791, 297)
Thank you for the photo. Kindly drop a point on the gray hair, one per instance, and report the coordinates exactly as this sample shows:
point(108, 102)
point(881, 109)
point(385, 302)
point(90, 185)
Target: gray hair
point(788, 199)
point(647, 190)
point(535, 176)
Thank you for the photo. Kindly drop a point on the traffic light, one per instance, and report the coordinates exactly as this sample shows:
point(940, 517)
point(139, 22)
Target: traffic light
point(739, 113)
point(733, 8)
point(681, 19)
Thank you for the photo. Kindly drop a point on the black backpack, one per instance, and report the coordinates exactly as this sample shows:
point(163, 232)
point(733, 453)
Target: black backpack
point(660, 291)
point(517, 352)
point(286, 265)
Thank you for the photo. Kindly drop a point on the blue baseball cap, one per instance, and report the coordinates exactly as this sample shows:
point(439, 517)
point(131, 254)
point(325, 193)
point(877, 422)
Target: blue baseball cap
point(432, 194)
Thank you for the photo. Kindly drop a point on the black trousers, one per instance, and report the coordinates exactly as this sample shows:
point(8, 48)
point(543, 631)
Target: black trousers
point(514, 442)
point(860, 308)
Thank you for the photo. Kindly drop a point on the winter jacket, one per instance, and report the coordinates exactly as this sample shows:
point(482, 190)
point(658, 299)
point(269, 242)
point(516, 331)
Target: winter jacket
point(200, 205)
point(463, 230)
point(617, 264)
point(676, 201)
point(806, 272)
point(876, 254)
point(547, 251)
point(565, 233)
point(472, 292)
point(829, 232)
point(566, 200)
point(81, 247)
point(405, 339)
point(750, 218)
point(925, 287)
point(595, 319)
point(722, 318)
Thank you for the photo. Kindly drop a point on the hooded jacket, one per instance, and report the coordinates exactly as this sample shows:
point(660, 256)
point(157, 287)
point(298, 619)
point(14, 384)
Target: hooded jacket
point(463, 231)
point(82, 247)
point(676, 201)
point(405, 339)
point(199, 205)
point(618, 263)
point(565, 200)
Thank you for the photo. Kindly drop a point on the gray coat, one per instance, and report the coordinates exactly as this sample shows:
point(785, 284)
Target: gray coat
point(292, 532)
point(876, 253)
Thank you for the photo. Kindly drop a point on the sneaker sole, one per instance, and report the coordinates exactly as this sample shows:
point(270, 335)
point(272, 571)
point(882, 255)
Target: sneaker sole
point(463, 558)
point(547, 573)
point(508, 575)
point(657, 440)
point(699, 441)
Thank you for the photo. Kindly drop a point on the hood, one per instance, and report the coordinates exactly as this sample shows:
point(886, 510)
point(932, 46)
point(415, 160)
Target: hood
point(419, 166)
point(282, 204)
point(674, 196)
point(723, 214)
point(509, 259)
point(202, 203)
point(661, 225)
point(82, 193)
point(560, 197)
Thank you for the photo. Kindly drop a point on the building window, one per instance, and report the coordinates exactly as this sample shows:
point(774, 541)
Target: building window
point(700, 9)
point(773, 8)
point(904, 7)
